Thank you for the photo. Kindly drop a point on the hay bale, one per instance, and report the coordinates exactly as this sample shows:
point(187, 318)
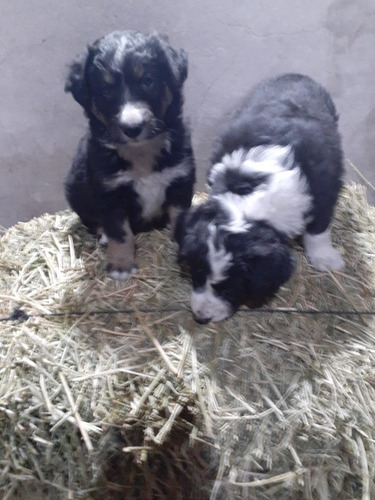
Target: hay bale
point(111, 390)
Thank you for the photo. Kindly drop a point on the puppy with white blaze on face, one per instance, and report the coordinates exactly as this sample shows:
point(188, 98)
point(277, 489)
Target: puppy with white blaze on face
point(134, 170)
point(276, 173)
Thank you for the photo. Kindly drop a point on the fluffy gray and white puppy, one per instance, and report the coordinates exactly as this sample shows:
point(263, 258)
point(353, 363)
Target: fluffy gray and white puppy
point(276, 173)
point(134, 170)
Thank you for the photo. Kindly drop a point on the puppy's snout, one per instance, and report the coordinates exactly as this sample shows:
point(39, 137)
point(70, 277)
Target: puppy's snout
point(131, 130)
point(201, 321)
point(132, 120)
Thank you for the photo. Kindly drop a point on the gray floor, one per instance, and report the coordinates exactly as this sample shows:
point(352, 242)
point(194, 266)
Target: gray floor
point(231, 46)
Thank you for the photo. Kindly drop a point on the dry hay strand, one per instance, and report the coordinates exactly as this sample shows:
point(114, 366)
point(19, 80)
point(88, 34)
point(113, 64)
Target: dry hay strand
point(111, 390)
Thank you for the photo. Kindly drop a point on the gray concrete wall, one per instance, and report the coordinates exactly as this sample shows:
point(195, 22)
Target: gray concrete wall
point(232, 44)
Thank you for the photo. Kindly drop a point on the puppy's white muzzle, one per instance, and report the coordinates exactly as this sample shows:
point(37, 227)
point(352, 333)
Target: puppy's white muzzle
point(133, 119)
point(207, 306)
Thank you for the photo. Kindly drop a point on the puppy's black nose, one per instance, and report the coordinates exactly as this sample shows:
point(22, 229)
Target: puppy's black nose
point(202, 321)
point(132, 131)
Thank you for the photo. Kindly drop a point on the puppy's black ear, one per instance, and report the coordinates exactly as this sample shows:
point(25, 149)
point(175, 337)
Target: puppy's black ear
point(268, 266)
point(76, 80)
point(177, 61)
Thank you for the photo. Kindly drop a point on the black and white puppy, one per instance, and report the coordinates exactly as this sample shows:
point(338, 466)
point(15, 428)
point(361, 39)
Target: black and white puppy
point(276, 173)
point(134, 170)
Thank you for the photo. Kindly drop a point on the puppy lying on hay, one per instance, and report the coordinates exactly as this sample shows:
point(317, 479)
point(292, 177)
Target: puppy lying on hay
point(145, 403)
point(276, 174)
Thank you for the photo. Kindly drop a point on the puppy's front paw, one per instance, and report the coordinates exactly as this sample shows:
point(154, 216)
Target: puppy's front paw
point(321, 253)
point(121, 258)
point(119, 273)
point(328, 259)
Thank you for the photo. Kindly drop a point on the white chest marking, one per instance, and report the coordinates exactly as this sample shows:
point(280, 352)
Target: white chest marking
point(142, 155)
point(150, 187)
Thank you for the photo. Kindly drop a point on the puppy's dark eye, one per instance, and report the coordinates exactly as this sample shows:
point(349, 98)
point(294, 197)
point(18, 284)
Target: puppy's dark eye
point(147, 82)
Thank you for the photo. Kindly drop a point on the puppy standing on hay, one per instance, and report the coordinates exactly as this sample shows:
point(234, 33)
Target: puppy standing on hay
point(277, 172)
point(134, 170)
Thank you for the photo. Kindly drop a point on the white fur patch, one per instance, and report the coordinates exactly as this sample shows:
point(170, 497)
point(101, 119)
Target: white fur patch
point(103, 239)
point(271, 158)
point(261, 159)
point(321, 253)
point(205, 303)
point(142, 155)
point(150, 187)
point(149, 148)
point(207, 306)
point(234, 204)
point(219, 258)
point(122, 275)
point(283, 201)
point(133, 115)
point(122, 46)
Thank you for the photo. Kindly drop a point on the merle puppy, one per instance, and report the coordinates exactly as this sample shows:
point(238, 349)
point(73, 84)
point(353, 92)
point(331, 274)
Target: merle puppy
point(277, 171)
point(134, 170)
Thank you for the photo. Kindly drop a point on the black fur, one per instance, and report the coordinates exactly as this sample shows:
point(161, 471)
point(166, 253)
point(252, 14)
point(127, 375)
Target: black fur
point(293, 110)
point(290, 111)
point(263, 260)
point(143, 75)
